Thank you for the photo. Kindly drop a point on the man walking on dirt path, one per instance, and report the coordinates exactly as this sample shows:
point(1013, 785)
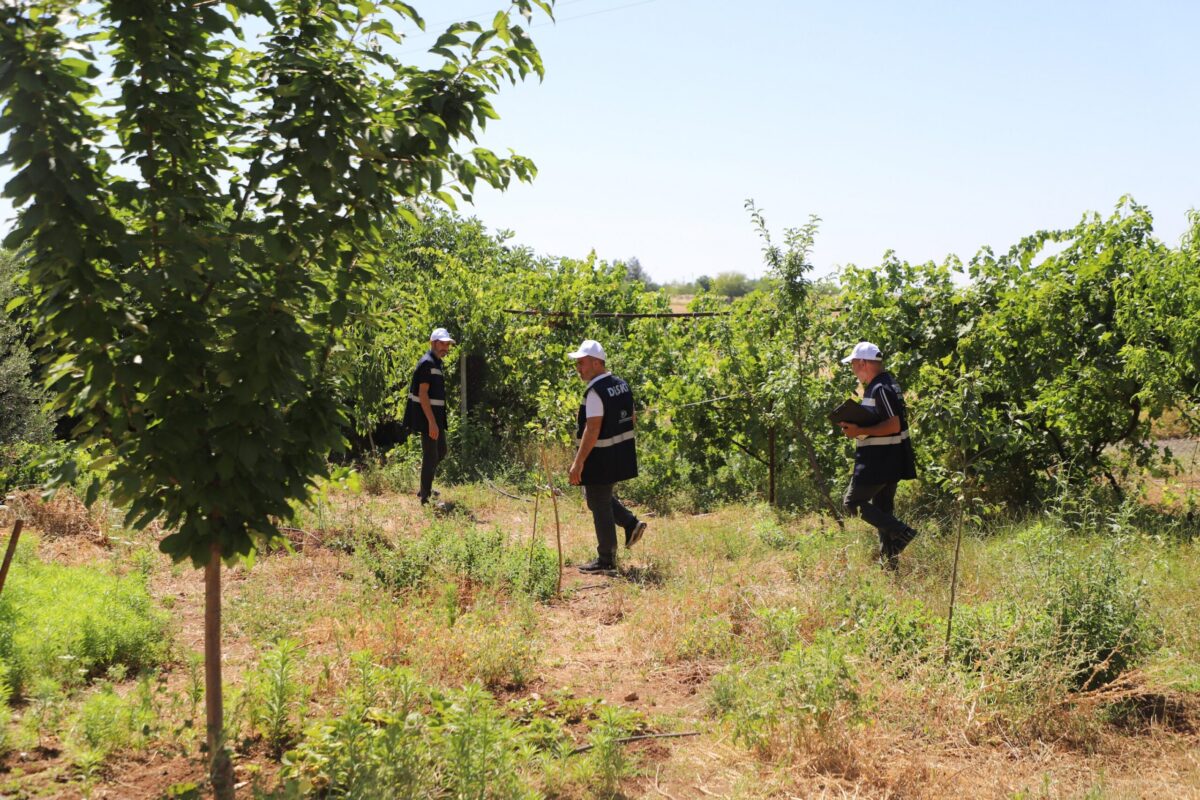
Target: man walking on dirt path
point(883, 454)
point(607, 453)
point(425, 412)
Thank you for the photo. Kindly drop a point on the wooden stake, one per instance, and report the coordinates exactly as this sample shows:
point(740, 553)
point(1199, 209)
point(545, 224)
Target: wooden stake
point(537, 496)
point(557, 526)
point(962, 501)
point(953, 585)
point(12, 549)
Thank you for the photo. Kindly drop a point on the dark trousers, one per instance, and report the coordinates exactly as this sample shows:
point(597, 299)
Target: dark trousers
point(432, 453)
point(875, 503)
point(607, 514)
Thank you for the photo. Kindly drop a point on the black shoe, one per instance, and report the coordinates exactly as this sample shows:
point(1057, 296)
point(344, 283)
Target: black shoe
point(597, 565)
point(634, 534)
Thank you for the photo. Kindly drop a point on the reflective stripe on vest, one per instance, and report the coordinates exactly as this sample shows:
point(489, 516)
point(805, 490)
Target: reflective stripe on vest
point(435, 372)
point(867, 402)
point(432, 402)
point(610, 441)
point(871, 441)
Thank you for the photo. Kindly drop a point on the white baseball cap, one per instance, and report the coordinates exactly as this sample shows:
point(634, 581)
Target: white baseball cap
point(589, 347)
point(864, 350)
point(441, 335)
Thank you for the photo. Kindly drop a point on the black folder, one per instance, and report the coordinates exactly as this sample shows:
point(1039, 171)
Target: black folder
point(851, 411)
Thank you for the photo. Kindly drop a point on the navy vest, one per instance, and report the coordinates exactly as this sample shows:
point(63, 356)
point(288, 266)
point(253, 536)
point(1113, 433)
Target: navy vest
point(885, 459)
point(429, 370)
point(614, 458)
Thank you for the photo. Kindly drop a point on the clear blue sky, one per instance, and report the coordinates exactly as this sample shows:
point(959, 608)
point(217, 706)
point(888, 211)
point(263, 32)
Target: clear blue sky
point(925, 127)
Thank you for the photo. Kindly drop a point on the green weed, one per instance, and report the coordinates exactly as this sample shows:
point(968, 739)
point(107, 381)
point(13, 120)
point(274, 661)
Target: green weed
point(483, 557)
point(608, 759)
point(787, 705)
point(276, 696)
point(5, 710)
point(106, 722)
point(501, 651)
point(72, 623)
point(411, 742)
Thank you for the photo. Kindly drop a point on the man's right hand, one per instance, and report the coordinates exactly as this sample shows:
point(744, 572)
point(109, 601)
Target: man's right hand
point(433, 431)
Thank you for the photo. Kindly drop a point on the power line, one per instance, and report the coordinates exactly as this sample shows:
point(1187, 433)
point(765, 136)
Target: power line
point(596, 13)
point(484, 15)
point(479, 15)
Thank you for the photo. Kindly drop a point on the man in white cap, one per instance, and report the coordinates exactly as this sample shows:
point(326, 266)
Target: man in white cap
point(425, 412)
point(607, 453)
point(883, 454)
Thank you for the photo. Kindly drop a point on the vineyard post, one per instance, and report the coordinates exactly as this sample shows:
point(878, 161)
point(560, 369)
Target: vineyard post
point(12, 549)
point(554, 501)
point(537, 496)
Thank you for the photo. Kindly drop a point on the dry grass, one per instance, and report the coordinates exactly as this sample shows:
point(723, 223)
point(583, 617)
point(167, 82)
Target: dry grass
point(62, 515)
point(736, 587)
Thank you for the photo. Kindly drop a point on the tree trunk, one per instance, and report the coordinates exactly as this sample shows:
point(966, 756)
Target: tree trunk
point(818, 475)
point(220, 766)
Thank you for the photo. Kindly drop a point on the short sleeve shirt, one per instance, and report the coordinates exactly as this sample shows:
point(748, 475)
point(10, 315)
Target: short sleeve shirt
point(593, 406)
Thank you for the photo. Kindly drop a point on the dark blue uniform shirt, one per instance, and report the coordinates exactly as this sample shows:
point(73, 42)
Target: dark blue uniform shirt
point(885, 459)
point(429, 370)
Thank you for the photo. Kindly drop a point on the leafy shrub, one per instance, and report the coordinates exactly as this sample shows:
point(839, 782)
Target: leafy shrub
point(707, 637)
point(1096, 620)
point(484, 557)
point(411, 742)
point(70, 623)
point(781, 706)
point(397, 474)
point(501, 651)
point(23, 464)
point(1084, 629)
point(781, 626)
point(899, 631)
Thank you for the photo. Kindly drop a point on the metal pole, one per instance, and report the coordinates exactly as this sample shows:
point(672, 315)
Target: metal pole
point(462, 385)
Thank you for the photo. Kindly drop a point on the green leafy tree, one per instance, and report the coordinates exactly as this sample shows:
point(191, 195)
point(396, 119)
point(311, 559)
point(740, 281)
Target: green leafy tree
point(21, 418)
point(796, 384)
point(732, 284)
point(1047, 363)
point(196, 238)
point(634, 271)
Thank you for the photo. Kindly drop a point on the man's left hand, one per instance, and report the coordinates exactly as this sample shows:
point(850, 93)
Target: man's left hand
point(851, 430)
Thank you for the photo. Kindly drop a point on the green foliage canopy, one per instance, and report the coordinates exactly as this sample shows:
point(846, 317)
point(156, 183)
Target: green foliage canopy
point(196, 234)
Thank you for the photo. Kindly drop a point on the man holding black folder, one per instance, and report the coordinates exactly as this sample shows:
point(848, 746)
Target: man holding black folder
point(883, 454)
